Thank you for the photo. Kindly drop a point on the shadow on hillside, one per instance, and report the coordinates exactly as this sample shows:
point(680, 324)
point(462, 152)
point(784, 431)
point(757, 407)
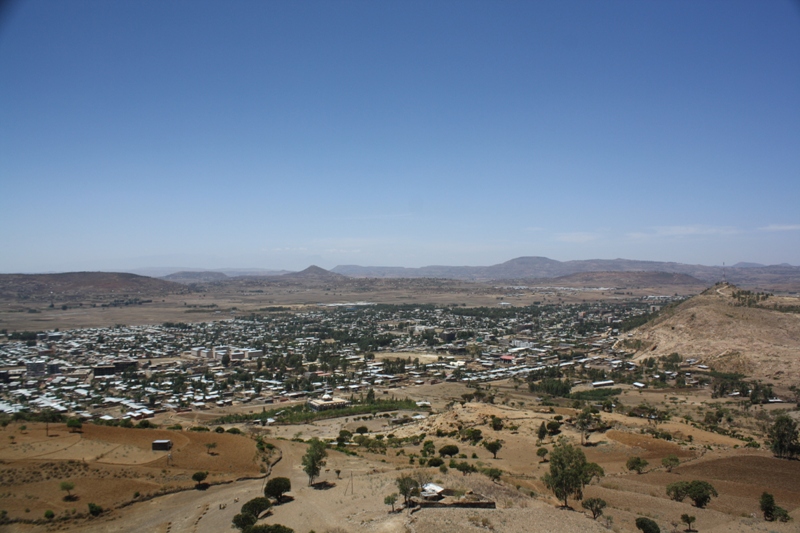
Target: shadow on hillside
point(323, 485)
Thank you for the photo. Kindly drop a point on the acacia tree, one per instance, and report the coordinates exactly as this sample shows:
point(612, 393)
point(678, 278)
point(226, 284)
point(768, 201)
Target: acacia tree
point(67, 486)
point(569, 472)
point(314, 459)
point(594, 506)
point(493, 446)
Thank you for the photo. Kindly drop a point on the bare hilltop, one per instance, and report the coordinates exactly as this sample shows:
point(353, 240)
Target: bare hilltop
point(730, 330)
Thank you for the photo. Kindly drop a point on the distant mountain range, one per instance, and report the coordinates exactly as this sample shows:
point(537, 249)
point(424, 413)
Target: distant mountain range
point(186, 272)
point(543, 267)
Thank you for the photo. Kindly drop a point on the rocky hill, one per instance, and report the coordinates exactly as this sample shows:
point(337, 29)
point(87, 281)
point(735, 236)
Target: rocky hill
point(314, 273)
point(729, 334)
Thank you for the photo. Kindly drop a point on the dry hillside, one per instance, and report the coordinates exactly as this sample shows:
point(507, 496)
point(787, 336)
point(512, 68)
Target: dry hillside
point(724, 334)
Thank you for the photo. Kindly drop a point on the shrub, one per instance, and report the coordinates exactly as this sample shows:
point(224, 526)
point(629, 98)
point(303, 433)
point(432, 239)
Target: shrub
point(95, 509)
point(435, 461)
point(49, 514)
point(645, 525)
point(636, 464)
point(493, 473)
point(199, 477)
point(448, 450)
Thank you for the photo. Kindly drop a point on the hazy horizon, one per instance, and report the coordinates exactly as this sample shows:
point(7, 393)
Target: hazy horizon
point(278, 135)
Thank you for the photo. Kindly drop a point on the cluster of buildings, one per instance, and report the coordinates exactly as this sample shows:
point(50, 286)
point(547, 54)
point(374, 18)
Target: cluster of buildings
point(324, 354)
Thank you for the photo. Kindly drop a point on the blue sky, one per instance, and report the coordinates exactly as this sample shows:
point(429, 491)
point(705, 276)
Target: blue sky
point(280, 134)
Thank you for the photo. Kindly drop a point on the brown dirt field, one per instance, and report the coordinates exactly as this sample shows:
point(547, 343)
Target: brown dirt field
point(109, 464)
point(651, 448)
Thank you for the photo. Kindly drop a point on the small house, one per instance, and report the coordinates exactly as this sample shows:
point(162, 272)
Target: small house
point(162, 445)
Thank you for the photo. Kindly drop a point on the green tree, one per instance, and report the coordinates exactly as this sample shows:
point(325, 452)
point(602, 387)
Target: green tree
point(688, 520)
point(700, 492)
point(771, 510)
point(542, 453)
point(277, 487)
point(362, 430)
point(554, 427)
point(569, 472)
point(314, 459)
point(493, 446)
point(68, 487)
point(542, 433)
point(49, 514)
point(671, 461)
point(74, 425)
point(199, 477)
point(783, 437)
point(636, 464)
point(466, 468)
point(645, 525)
point(256, 506)
point(768, 506)
point(391, 499)
point(244, 521)
point(407, 487)
point(677, 491)
point(594, 506)
point(210, 446)
point(226, 360)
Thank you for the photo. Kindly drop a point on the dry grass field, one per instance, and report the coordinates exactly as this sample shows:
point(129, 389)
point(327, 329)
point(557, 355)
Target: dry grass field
point(108, 465)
